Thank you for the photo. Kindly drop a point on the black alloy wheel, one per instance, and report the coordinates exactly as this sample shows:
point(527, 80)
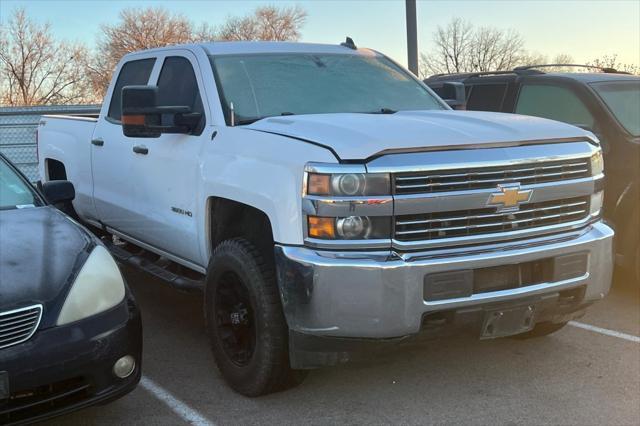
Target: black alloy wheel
point(235, 319)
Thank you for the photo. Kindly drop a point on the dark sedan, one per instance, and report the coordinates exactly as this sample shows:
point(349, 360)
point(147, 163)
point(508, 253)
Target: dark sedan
point(70, 330)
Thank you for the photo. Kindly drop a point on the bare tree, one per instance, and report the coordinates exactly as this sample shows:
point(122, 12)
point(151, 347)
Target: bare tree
point(531, 59)
point(451, 52)
point(606, 61)
point(534, 58)
point(460, 47)
point(265, 23)
point(563, 58)
point(493, 49)
point(611, 61)
point(139, 29)
point(37, 70)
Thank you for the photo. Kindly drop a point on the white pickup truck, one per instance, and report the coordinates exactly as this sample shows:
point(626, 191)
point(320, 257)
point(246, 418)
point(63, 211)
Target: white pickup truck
point(326, 201)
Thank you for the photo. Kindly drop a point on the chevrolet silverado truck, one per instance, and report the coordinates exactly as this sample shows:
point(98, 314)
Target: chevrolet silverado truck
point(326, 201)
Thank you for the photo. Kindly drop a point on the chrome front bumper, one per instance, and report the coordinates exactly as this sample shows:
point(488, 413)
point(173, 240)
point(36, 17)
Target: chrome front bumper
point(381, 294)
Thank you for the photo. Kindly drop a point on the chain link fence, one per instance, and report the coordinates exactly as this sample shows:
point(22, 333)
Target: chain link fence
point(18, 126)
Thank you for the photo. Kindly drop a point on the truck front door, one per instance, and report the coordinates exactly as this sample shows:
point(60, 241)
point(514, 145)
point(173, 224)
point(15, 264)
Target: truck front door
point(166, 172)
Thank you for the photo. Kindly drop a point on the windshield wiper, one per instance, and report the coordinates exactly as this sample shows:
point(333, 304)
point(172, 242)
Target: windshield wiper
point(254, 119)
point(383, 111)
point(247, 121)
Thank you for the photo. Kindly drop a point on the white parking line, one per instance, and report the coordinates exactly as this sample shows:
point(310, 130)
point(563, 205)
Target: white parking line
point(606, 332)
point(181, 409)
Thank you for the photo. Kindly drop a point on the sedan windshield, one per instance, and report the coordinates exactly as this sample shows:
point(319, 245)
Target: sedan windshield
point(264, 85)
point(623, 99)
point(14, 191)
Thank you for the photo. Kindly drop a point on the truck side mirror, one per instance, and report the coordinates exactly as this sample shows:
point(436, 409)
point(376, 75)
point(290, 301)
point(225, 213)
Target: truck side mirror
point(58, 191)
point(143, 118)
point(454, 95)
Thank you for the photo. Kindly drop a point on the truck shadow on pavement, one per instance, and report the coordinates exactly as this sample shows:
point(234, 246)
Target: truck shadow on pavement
point(572, 377)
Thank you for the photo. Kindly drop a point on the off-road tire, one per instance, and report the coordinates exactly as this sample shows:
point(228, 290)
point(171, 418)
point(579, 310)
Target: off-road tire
point(268, 369)
point(541, 330)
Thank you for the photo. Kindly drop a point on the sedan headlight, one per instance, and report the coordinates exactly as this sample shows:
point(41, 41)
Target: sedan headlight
point(99, 286)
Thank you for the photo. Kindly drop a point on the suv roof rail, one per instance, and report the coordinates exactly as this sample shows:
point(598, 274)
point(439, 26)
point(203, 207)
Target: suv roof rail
point(485, 73)
point(603, 69)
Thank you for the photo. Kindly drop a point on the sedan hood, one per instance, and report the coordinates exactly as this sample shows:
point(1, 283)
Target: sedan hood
point(360, 136)
point(41, 252)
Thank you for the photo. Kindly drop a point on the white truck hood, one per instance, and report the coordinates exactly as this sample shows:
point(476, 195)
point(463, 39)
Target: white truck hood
point(360, 136)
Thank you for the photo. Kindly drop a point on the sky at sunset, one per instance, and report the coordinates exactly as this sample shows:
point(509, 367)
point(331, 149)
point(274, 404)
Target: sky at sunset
point(585, 29)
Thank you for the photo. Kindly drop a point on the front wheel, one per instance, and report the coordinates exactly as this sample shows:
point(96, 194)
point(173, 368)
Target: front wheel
point(245, 322)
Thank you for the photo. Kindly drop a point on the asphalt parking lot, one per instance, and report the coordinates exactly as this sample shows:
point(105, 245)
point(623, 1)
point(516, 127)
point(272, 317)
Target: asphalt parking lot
point(576, 376)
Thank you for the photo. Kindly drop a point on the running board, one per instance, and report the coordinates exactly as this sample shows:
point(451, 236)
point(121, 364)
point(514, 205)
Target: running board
point(176, 281)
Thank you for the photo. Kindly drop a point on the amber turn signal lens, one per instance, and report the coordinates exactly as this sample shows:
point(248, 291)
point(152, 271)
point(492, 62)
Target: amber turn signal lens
point(319, 184)
point(133, 120)
point(321, 227)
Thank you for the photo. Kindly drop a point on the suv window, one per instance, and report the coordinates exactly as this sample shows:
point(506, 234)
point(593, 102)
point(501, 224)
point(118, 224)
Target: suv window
point(132, 73)
point(486, 97)
point(177, 86)
point(554, 102)
point(623, 99)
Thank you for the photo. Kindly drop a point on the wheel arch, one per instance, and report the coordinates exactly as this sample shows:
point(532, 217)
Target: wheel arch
point(54, 169)
point(227, 218)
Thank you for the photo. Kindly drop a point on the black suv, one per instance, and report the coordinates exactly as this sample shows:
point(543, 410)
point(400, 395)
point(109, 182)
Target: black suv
point(606, 102)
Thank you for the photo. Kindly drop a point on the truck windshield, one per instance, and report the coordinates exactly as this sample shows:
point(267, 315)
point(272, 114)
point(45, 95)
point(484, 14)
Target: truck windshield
point(264, 85)
point(623, 99)
point(14, 191)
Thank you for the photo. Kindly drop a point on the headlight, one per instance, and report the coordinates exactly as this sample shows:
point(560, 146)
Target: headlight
point(99, 286)
point(349, 228)
point(596, 203)
point(348, 184)
point(597, 163)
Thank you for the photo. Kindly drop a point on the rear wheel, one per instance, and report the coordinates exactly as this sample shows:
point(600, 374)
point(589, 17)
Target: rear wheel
point(245, 322)
point(540, 330)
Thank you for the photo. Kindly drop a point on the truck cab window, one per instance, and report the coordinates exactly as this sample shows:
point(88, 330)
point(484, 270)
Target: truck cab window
point(177, 85)
point(555, 103)
point(132, 73)
point(297, 83)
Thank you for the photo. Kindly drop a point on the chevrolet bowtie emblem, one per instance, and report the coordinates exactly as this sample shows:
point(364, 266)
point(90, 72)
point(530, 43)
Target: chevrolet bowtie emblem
point(509, 196)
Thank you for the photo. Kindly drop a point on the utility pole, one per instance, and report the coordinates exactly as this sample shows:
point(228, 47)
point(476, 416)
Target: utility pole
point(412, 36)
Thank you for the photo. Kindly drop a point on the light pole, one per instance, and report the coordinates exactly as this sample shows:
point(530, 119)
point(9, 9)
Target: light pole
point(412, 36)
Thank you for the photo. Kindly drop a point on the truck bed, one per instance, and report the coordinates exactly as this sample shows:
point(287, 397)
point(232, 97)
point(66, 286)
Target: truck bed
point(64, 152)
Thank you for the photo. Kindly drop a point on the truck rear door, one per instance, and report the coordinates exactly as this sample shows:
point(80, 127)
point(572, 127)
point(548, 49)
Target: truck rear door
point(112, 155)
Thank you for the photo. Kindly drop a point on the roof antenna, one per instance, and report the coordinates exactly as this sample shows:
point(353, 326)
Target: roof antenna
point(349, 43)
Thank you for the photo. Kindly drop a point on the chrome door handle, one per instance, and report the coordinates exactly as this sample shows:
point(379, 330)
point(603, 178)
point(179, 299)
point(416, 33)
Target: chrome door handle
point(97, 142)
point(141, 149)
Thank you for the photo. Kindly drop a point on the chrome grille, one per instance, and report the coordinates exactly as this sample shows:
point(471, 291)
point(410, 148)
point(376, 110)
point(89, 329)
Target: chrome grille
point(461, 223)
point(490, 177)
point(19, 325)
